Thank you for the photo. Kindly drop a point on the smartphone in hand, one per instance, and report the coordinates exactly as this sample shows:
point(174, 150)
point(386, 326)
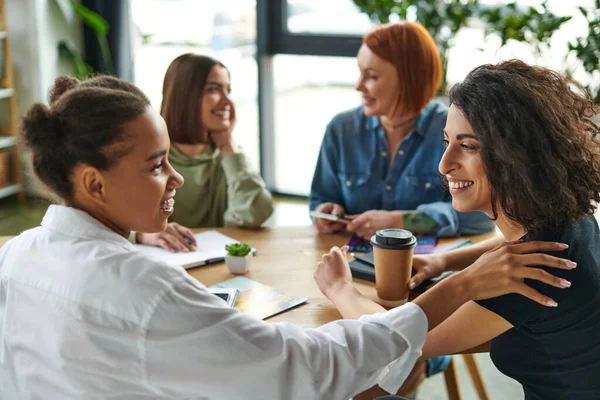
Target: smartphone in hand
point(329, 217)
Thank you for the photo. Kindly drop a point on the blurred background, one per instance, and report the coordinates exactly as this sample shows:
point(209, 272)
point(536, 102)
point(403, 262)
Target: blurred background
point(291, 61)
point(292, 65)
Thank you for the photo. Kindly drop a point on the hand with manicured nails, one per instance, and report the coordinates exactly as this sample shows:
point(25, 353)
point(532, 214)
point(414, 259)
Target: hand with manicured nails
point(503, 269)
point(175, 238)
point(327, 226)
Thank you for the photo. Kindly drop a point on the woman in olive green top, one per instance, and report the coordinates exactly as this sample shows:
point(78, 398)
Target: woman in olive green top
point(219, 188)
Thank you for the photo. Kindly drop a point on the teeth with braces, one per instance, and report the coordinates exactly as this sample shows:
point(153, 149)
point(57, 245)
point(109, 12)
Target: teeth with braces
point(168, 204)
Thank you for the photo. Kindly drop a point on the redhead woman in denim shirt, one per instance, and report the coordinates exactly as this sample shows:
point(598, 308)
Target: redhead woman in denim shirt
point(378, 162)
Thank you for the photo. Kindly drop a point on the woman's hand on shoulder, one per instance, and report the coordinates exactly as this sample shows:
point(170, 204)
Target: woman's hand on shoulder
point(503, 269)
point(175, 238)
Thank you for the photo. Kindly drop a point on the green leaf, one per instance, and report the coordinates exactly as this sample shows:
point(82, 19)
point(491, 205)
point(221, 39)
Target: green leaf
point(80, 69)
point(238, 249)
point(98, 24)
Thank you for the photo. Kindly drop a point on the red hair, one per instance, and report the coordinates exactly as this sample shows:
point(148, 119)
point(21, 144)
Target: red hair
point(412, 50)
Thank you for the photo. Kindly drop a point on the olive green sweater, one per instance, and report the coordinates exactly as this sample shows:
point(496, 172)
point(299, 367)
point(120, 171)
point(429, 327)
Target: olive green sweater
point(219, 191)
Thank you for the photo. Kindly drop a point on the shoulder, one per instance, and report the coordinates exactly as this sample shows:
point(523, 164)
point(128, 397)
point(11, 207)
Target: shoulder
point(582, 230)
point(433, 120)
point(346, 121)
point(583, 238)
point(435, 112)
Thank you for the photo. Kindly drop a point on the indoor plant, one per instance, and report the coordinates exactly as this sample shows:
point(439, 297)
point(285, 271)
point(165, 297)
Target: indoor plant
point(238, 257)
point(535, 26)
point(587, 50)
point(443, 19)
point(98, 25)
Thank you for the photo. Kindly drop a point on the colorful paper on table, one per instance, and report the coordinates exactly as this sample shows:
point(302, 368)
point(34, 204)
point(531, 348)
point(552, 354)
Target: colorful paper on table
point(452, 245)
point(260, 300)
point(425, 245)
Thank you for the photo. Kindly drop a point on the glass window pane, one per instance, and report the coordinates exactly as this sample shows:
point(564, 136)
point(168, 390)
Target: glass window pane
point(225, 30)
point(333, 17)
point(309, 92)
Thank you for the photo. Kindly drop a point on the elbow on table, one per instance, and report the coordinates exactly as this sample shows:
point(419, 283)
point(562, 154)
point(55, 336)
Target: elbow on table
point(254, 215)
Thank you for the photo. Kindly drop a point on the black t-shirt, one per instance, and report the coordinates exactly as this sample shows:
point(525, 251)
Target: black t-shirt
point(555, 352)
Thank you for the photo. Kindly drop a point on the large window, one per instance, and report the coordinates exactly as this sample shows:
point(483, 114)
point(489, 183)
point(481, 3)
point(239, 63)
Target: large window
point(330, 17)
point(309, 91)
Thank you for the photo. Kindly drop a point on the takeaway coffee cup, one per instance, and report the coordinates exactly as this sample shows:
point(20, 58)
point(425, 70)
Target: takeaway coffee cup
point(393, 253)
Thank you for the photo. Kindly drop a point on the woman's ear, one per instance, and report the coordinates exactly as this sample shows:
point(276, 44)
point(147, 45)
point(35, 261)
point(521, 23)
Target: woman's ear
point(90, 184)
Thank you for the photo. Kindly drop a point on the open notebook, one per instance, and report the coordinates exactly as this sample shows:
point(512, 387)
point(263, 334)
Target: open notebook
point(210, 249)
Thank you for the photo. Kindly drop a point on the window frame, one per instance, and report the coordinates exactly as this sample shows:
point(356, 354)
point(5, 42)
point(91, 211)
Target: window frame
point(273, 38)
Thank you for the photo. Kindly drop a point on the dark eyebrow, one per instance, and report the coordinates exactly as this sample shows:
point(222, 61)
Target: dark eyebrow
point(214, 83)
point(462, 136)
point(156, 155)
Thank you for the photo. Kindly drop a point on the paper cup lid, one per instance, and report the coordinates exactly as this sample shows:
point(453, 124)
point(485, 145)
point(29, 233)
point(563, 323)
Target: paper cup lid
point(398, 239)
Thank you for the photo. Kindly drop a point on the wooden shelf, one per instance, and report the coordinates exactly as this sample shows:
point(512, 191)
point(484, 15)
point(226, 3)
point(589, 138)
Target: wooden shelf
point(6, 142)
point(9, 190)
point(8, 132)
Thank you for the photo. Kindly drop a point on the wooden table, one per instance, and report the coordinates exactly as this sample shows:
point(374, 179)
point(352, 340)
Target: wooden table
point(285, 259)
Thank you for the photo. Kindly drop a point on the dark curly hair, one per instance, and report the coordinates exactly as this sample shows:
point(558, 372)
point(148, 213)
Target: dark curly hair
point(539, 142)
point(82, 126)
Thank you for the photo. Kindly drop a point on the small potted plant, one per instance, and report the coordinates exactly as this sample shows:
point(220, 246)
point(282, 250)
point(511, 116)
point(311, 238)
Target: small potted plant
point(238, 257)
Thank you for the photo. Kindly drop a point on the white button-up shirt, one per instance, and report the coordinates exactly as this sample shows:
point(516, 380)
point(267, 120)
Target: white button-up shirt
point(85, 315)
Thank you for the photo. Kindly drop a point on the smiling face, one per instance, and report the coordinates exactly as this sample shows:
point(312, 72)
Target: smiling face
point(378, 83)
point(139, 189)
point(462, 166)
point(217, 107)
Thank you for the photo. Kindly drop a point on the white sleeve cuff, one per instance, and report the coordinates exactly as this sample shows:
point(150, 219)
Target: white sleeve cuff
point(410, 322)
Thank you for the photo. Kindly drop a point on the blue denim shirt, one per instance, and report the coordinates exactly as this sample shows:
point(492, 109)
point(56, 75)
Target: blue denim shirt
point(353, 170)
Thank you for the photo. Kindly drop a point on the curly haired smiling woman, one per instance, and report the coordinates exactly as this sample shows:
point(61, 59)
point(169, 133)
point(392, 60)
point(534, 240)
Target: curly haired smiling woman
point(523, 147)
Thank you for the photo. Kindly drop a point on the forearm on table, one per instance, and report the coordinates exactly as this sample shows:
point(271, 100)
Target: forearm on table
point(249, 207)
point(454, 292)
point(351, 304)
point(459, 259)
point(443, 299)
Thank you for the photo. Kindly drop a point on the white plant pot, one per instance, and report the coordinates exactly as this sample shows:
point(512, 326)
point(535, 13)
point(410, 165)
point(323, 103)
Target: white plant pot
point(238, 265)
